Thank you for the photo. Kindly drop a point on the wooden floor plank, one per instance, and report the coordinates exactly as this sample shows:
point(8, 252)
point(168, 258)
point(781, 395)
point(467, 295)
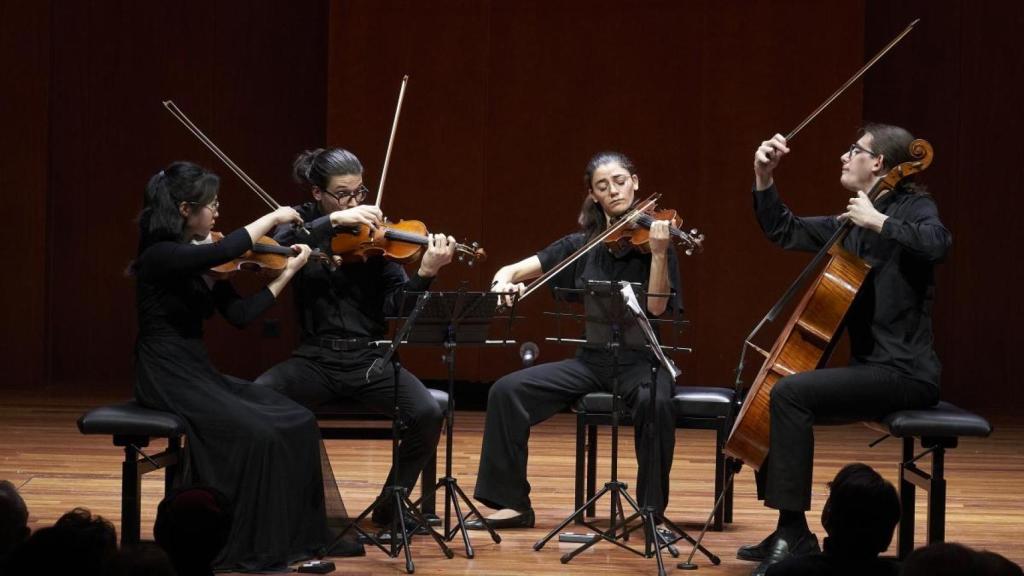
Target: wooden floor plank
point(57, 469)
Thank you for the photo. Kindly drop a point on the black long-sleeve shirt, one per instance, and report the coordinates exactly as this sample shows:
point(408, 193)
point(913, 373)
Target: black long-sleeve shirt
point(600, 264)
point(890, 321)
point(354, 299)
point(174, 298)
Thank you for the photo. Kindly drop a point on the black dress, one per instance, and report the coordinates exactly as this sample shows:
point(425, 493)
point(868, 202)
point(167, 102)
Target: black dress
point(262, 450)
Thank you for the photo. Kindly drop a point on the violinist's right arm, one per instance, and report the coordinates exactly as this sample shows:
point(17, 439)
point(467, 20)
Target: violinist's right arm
point(321, 229)
point(265, 224)
point(367, 214)
point(511, 278)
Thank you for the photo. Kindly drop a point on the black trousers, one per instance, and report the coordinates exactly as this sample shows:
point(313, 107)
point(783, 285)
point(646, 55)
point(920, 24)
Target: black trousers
point(527, 397)
point(826, 396)
point(314, 376)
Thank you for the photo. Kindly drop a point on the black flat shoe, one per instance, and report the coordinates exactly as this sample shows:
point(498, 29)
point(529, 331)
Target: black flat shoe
point(521, 520)
point(755, 552)
point(383, 520)
point(781, 549)
point(347, 549)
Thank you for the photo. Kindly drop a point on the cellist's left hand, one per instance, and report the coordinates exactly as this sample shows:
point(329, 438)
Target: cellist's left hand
point(659, 236)
point(440, 250)
point(862, 212)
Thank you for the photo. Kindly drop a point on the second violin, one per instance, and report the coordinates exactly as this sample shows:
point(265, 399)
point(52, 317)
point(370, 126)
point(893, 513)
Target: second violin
point(637, 235)
point(403, 241)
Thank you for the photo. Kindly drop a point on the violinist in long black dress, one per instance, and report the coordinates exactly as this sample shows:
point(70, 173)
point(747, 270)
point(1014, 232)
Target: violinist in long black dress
point(528, 397)
point(257, 447)
point(893, 366)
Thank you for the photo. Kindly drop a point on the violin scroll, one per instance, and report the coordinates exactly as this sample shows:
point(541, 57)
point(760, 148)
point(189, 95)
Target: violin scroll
point(470, 254)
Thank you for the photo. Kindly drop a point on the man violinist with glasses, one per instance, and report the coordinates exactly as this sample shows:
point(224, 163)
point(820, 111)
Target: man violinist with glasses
point(342, 309)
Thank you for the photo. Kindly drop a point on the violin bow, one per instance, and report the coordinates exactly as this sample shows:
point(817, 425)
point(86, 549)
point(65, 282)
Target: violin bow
point(629, 217)
point(852, 79)
point(391, 140)
point(191, 127)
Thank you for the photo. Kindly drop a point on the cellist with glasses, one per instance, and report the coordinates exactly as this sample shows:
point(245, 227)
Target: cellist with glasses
point(892, 363)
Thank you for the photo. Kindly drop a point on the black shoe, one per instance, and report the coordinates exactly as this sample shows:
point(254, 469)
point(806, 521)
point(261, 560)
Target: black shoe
point(782, 548)
point(347, 548)
point(382, 519)
point(755, 552)
point(521, 520)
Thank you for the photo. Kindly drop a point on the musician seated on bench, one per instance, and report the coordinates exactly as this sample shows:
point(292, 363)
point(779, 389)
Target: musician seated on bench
point(893, 366)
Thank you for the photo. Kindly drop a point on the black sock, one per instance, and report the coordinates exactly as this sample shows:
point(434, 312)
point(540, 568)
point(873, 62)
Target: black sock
point(792, 524)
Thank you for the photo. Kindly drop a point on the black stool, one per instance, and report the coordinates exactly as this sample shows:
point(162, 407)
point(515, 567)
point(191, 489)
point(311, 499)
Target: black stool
point(939, 429)
point(132, 427)
point(696, 407)
point(335, 419)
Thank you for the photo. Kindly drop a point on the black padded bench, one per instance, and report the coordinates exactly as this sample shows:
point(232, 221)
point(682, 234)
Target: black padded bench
point(939, 428)
point(695, 407)
point(132, 427)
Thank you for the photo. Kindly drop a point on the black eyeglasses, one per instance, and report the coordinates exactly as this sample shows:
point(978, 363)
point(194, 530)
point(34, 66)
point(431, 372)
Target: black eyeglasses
point(856, 148)
point(342, 196)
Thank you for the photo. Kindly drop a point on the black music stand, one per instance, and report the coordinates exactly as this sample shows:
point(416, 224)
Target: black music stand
point(614, 319)
point(450, 319)
point(402, 506)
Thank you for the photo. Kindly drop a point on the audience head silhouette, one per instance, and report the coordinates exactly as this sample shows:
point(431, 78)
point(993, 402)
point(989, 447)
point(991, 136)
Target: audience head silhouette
point(861, 512)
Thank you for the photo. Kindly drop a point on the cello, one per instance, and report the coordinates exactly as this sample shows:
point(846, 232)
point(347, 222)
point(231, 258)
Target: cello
point(806, 341)
point(810, 334)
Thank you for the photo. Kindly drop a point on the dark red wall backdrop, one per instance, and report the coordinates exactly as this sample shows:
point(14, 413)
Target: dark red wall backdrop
point(506, 102)
point(961, 87)
point(89, 130)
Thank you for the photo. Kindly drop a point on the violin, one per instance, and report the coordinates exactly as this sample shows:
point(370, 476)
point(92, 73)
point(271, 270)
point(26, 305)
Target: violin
point(637, 236)
point(267, 258)
point(403, 242)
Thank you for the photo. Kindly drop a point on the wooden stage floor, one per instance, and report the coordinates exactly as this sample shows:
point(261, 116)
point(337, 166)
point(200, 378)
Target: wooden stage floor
point(57, 469)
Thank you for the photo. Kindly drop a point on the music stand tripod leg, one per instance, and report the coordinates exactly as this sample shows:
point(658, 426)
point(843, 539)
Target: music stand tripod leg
point(453, 493)
point(458, 316)
point(614, 487)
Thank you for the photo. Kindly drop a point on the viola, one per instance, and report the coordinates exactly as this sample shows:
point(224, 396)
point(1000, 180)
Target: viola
point(637, 236)
point(267, 258)
point(403, 242)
